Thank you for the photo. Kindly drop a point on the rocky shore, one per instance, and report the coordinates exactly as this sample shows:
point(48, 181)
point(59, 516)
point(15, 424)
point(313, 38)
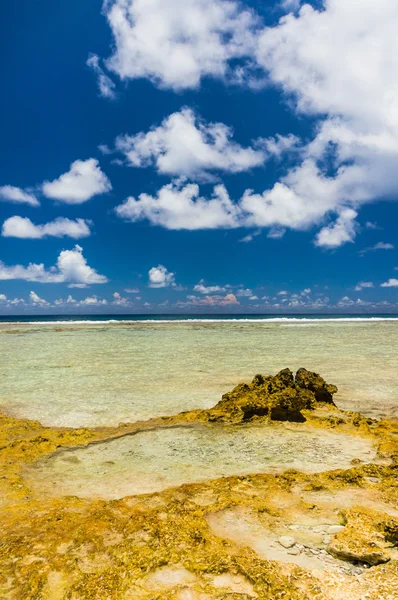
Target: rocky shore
point(331, 535)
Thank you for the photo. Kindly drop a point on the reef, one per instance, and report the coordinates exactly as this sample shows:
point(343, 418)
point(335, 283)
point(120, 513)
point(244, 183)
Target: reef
point(286, 536)
point(280, 397)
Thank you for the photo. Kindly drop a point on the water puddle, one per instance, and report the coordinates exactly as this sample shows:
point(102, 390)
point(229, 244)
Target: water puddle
point(151, 461)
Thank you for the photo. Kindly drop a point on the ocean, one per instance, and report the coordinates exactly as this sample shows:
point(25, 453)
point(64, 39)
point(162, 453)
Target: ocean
point(92, 370)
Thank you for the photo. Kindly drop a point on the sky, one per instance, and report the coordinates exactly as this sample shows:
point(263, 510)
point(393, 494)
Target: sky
point(198, 156)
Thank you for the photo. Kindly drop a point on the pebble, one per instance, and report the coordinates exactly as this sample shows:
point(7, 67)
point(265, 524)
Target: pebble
point(373, 479)
point(286, 541)
point(335, 529)
point(293, 551)
point(319, 529)
point(326, 539)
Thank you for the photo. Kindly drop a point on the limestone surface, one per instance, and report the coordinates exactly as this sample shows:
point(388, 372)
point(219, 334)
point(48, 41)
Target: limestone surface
point(213, 540)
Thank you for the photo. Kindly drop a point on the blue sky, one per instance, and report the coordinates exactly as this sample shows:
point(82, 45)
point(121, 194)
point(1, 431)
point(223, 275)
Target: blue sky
point(198, 156)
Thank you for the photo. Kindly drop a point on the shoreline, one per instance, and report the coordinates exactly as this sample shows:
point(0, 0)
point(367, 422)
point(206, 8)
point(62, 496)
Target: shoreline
point(210, 538)
point(138, 321)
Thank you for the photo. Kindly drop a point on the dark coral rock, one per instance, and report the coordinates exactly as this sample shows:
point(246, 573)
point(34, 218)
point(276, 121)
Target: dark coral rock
point(315, 383)
point(280, 397)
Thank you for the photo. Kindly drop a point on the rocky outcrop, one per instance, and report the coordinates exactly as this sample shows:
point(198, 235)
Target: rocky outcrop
point(307, 380)
point(280, 397)
point(367, 537)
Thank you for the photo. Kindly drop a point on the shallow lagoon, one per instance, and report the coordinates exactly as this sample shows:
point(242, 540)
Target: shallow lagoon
point(96, 374)
point(150, 461)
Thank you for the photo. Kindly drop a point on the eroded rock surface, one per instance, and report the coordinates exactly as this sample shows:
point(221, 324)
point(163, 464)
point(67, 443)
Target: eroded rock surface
point(214, 540)
point(280, 397)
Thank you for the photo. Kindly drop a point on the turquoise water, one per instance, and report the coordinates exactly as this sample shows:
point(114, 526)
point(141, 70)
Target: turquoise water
point(99, 373)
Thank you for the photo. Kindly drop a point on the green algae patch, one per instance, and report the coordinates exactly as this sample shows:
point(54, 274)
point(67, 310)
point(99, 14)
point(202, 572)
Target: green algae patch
point(181, 543)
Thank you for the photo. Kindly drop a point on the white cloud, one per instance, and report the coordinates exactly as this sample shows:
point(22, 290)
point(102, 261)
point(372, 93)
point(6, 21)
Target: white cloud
point(340, 61)
point(10, 193)
point(250, 236)
point(228, 299)
point(119, 300)
point(93, 301)
point(179, 206)
point(289, 203)
point(276, 233)
point(175, 44)
point(363, 285)
point(290, 5)
point(341, 231)
point(345, 301)
point(245, 293)
point(186, 145)
point(378, 246)
point(105, 84)
point(336, 63)
point(132, 291)
point(83, 181)
point(3, 298)
point(22, 227)
point(390, 283)
point(69, 300)
point(201, 288)
point(160, 277)
point(71, 268)
point(36, 299)
point(279, 145)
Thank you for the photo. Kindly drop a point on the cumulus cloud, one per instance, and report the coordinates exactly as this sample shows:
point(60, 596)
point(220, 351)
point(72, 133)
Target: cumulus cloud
point(336, 64)
point(10, 193)
point(3, 298)
point(228, 299)
point(62, 301)
point(83, 181)
point(22, 227)
point(176, 44)
point(289, 204)
point(119, 300)
point(362, 285)
point(160, 277)
point(186, 145)
point(71, 268)
point(36, 299)
point(341, 231)
point(105, 84)
point(201, 288)
point(179, 206)
point(339, 62)
point(390, 283)
point(93, 301)
point(245, 293)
